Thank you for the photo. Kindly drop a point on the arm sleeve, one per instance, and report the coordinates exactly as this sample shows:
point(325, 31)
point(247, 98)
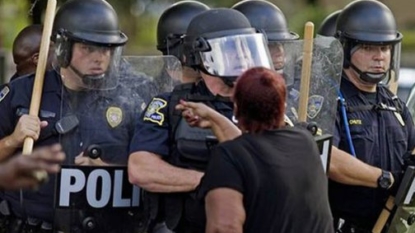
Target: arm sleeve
point(151, 132)
point(6, 112)
point(222, 172)
point(337, 130)
point(410, 128)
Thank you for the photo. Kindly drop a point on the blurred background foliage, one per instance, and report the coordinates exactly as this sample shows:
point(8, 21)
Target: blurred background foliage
point(138, 19)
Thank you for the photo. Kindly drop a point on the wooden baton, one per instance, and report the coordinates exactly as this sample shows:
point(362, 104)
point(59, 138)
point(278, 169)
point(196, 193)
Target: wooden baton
point(39, 78)
point(306, 71)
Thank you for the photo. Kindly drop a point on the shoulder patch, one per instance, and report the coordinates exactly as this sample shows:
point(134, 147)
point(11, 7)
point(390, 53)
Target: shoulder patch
point(315, 103)
point(4, 92)
point(153, 113)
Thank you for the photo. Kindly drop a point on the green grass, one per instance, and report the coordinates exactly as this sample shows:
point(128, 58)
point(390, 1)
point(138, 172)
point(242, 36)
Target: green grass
point(408, 42)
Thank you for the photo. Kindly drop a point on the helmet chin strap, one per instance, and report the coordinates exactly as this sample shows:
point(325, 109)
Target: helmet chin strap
point(369, 77)
point(228, 82)
point(89, 80)
point(280, 70)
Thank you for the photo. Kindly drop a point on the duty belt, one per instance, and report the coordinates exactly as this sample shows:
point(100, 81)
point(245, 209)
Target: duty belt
point(11, 224)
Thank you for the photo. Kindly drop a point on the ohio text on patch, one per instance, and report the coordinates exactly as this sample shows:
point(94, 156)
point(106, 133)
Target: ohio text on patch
point(153, 113)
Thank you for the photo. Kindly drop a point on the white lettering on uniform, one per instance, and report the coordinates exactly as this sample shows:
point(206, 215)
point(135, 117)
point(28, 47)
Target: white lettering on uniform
point(118, 201)
point(113, 182)
point(136, 196)
point(91, 188)
point(67, 188)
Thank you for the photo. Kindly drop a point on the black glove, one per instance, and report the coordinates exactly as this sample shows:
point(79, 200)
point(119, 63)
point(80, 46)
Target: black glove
point(408, 159)
point(397, 176)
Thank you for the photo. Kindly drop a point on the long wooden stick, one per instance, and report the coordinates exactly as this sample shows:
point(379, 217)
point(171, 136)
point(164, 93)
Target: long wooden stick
point(384, 215)
point(39, 77)
point(306, 71)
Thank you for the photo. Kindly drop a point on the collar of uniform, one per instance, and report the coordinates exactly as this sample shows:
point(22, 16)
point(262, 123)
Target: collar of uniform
point(348, 89)
point(15, 75)
point(219, 105)
point(53, 82)
point(203, 89)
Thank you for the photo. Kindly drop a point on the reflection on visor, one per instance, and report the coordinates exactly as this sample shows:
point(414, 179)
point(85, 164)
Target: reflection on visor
point(276, 50)
point(232, 55)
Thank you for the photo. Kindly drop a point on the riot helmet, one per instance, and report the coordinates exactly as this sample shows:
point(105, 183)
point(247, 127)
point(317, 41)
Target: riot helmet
point(328, 26)
point(270, 20)
point(94, 23)
point(266, 17)
point(172, 26)
point(221, 42)
point(368, 22)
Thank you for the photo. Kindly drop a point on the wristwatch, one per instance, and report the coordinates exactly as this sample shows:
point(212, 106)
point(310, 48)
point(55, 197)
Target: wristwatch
point(385, 180)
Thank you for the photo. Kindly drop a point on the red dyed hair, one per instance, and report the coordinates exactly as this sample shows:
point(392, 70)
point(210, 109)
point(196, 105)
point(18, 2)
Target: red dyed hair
point(260, 98)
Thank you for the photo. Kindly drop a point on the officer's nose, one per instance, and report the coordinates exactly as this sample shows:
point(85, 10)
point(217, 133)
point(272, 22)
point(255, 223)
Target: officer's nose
point(379, 53)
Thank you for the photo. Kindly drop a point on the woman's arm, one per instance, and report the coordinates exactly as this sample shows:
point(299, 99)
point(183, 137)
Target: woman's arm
point(200, 115)
point(224, 211)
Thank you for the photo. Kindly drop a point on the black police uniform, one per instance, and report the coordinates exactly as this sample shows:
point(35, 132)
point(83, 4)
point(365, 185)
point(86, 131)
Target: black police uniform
point(382, 132)
point(156, 133)
point(94, 128)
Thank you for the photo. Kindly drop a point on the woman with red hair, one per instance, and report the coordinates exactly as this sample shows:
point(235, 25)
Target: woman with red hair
point(263, 176)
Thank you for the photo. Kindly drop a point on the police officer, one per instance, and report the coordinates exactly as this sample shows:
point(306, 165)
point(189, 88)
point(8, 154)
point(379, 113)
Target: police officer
point(83, 103)
point(373, 129)
point(171, 29)
point(26, 47)
point(267, 18)
point(170, 156)
point(328, 26)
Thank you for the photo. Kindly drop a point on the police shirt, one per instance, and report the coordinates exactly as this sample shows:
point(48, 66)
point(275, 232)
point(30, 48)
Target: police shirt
point(105, 118)
point(283, 184)
point(154, 134)
point(153, 129)
point(380, 138)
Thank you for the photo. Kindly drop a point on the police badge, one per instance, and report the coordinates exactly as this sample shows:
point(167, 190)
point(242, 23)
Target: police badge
point(114, 116)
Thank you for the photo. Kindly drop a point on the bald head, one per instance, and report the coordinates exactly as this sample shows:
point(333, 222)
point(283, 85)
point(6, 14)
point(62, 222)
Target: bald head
point(26, 49)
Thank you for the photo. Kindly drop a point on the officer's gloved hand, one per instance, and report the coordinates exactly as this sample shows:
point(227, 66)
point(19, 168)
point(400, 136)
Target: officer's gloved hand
point(310, 126)
point(408, 159)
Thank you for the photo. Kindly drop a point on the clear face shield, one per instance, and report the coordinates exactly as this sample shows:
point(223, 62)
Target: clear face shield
point(390, 63)
point(230, 56)
point(91, 66)
point(277, 53)
point(393, 74)
point(285, 55)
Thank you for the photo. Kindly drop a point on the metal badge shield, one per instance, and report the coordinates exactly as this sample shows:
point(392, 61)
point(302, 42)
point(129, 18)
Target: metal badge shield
point(315, 103)
point(114, 116)
point(4, 92)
